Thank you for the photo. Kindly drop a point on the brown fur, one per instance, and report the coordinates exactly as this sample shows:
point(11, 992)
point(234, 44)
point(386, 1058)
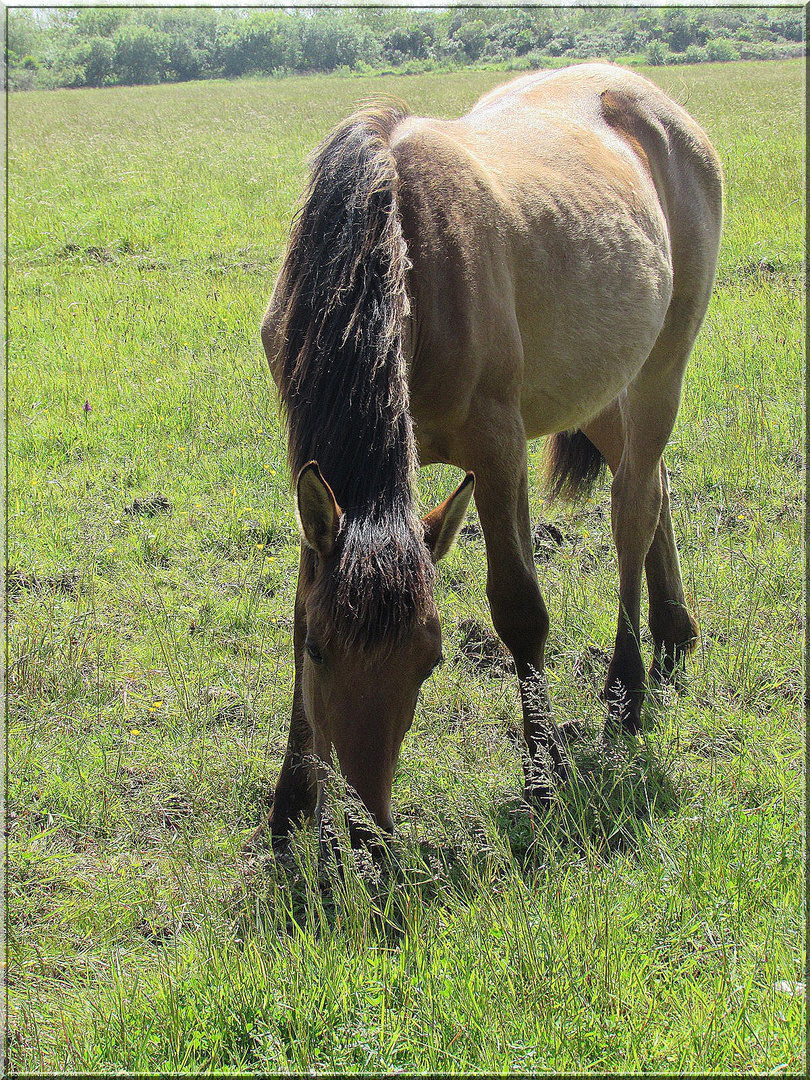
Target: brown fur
point(556, 248)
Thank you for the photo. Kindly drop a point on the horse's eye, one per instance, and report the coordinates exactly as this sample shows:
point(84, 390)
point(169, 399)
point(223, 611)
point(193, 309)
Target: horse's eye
point(315, 654)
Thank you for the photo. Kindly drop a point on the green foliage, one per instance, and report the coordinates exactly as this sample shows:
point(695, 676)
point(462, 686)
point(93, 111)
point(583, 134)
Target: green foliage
point(112, 46)
point(722, 49)
point(657, 54)
point(651, 921)
point(141, 54)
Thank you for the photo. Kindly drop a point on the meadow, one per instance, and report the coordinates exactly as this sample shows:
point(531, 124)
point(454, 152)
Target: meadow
point(651, 921)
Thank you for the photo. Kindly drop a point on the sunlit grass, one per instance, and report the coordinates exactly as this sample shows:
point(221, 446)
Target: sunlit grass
point(646, 922)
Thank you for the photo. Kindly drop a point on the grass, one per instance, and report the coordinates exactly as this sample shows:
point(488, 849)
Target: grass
point(652, 921)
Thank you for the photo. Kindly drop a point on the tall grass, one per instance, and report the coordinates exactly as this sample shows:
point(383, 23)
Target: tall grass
point(650, 921)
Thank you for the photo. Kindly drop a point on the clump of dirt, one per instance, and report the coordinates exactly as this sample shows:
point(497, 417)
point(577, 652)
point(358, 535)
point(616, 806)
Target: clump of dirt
point(234, 712)
point(483, 649)
point(155, 932)
point(734, 518)
point(470, 530)
point(590, 667)
point(64, 581)
point(593, 559)
point(132, 780)
point(174, 809)
point(273, 537)
point(150, 506)
point(268, 585)
point(793, 459)
point(790, 510)
point(546, 538)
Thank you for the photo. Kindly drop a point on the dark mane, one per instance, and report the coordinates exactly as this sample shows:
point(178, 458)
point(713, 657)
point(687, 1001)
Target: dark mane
point(341, 302)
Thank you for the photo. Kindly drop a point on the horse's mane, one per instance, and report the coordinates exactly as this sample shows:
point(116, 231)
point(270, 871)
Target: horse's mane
point(341, 302)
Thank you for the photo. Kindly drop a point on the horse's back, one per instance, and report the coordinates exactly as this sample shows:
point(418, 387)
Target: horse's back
point(554, 221)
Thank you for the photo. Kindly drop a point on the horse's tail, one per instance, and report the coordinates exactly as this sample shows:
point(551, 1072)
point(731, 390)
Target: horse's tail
point(339, 309)
point(573, 465)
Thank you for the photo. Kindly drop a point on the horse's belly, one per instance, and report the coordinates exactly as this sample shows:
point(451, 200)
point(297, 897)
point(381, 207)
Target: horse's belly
point(566, 383)
point(587, 334)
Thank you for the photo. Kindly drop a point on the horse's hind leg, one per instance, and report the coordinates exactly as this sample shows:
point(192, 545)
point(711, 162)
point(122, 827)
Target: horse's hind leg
point(673, 629)
point(519, 614)
point(641, 520)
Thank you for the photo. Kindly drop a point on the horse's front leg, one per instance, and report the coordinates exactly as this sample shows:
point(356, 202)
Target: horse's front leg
point(519, 614)
point(297, 786)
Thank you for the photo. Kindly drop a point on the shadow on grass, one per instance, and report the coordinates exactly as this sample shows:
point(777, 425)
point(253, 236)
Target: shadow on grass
point(618, 787)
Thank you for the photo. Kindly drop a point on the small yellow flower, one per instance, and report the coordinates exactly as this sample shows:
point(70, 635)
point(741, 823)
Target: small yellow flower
point(260, 546)
point(265, 466)
point(110, 550)
point(156, 705)
point(135, 731)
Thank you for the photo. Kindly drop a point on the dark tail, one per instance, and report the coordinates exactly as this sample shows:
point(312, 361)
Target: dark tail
point(574, 465)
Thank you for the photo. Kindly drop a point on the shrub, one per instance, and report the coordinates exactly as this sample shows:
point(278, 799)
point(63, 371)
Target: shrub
point(722, 49)
point(657, 54)
point(141, 54)
point(94, 57)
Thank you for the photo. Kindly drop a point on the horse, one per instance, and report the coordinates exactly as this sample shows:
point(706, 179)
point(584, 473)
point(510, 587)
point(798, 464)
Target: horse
point(451, 289)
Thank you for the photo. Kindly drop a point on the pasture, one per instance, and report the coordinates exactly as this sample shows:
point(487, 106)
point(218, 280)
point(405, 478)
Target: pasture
point(651, 921)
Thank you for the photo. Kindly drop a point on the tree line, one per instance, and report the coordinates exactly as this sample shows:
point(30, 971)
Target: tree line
point(132, 46)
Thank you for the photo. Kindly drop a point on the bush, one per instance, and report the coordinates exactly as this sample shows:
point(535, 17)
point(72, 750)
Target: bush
point(722, 49)
point(695, 55)
point(94, 58)
point(472, 37)
point(658, 54)
point(141, 54)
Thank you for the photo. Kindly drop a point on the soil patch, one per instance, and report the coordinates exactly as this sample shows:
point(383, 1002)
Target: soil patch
point(482, 649)
point(150, 506)
point(64, 581)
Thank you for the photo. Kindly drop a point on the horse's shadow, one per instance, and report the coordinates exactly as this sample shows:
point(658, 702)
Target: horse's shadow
point(618, 788)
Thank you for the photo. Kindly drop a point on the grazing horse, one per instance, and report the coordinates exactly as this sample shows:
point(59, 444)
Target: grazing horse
point(539, 267)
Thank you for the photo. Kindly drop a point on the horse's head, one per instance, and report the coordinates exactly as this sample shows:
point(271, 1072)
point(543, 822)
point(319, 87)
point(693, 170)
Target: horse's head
point(371, 630)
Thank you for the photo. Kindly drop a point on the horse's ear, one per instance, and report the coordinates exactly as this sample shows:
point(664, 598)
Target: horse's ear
point(443, 523)
point(317, 511)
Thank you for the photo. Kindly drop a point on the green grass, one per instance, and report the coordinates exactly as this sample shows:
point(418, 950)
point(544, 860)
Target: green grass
point(652, 921)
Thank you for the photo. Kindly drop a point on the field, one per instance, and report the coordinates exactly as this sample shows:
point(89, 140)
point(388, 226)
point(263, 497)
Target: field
point(651, 921)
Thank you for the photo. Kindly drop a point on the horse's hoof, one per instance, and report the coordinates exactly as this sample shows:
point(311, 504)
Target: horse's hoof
point(571, 730)
point(626, 723)
point(256, 843)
